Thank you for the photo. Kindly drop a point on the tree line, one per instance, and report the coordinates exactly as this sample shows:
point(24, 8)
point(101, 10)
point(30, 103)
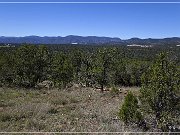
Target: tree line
point(99, 66)
point(29, 64)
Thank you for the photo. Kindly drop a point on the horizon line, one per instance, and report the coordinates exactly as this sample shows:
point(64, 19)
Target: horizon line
point(92, 36)
point(88, 2)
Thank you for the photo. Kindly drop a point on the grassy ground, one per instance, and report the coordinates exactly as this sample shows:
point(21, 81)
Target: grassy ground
point(74, 109)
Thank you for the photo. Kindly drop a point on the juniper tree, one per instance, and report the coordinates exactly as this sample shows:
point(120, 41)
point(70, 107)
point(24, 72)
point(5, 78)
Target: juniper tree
point(160, 90)
point(62, 69)
point(103, 66)
point(31, 64)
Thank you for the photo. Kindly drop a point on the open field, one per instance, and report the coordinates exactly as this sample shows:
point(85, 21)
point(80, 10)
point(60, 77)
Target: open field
point(72, 109)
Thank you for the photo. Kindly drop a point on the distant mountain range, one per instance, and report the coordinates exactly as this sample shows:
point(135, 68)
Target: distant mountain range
point(71, 39)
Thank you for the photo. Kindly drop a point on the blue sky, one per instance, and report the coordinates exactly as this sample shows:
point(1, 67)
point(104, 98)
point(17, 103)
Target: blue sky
point(114, 20)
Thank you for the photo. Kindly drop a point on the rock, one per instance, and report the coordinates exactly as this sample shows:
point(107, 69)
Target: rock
point(45, 84)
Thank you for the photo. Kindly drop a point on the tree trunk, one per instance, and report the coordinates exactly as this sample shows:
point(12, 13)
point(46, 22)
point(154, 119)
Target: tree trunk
point(102, 88)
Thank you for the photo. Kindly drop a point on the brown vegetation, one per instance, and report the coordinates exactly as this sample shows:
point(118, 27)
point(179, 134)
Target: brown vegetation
point(72, 109)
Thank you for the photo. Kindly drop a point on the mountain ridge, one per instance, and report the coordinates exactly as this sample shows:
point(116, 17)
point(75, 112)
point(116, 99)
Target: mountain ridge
point(75, 39)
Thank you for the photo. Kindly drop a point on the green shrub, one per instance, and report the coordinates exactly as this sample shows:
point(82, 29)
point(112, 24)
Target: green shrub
point(129, 112)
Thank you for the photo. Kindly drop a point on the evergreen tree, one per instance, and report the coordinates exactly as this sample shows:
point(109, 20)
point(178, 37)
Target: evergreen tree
point(31, 65)
point(160, 90)
point(103, 66)
point(62, 70)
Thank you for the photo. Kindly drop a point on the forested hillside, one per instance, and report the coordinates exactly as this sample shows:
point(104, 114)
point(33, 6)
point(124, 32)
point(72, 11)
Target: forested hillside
point(154, 70)
point(25, 66)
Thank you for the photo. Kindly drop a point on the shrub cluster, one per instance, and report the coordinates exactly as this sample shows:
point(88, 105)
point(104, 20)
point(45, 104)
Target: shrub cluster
point(160, 96)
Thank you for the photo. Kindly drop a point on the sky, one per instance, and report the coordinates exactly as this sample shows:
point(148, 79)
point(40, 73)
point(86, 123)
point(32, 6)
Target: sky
point(113, 20)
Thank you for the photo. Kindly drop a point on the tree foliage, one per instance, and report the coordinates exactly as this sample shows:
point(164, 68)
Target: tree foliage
point(129, 112)
point(31, 65)
point(103, 65)
point(90, 65)
point(161, 90)
point(62, 70)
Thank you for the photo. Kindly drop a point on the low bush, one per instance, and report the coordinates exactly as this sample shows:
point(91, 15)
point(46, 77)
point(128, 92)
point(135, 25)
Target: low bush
point(130, 113)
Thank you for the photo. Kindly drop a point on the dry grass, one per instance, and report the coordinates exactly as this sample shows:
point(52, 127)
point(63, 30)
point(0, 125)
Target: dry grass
point(73, 109)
